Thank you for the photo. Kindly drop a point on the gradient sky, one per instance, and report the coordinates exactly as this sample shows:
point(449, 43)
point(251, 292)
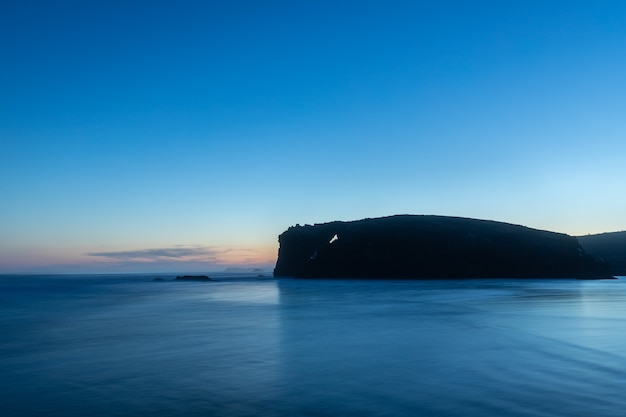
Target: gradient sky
point(185, 136)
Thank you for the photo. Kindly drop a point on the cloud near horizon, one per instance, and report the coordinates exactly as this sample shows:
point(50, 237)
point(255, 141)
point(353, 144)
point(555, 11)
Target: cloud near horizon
point(174, 253)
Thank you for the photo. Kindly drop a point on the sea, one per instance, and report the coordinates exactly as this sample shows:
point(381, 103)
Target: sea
point(125, 345)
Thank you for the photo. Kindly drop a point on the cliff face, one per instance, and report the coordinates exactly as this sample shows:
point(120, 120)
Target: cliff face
point(609, 246)
point(431, 247)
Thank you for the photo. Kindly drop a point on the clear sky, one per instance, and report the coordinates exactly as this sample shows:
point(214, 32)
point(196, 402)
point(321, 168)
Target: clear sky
point(185, 136)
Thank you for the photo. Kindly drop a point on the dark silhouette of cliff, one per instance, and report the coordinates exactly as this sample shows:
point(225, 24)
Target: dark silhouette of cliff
point(609, 246)
point(431, 247)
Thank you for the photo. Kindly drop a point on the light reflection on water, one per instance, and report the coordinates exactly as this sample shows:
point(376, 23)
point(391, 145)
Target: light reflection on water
point(459, 348)
point(130, 347)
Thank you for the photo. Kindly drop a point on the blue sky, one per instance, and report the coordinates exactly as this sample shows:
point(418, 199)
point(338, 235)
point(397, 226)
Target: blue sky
point(185, 136)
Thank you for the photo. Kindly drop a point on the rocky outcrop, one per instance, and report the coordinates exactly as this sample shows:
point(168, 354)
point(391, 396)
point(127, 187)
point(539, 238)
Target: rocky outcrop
point(609, 246)
point(431, 247)
point(193, 278)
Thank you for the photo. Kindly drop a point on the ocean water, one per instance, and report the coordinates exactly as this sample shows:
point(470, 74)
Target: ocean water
point(126, 346)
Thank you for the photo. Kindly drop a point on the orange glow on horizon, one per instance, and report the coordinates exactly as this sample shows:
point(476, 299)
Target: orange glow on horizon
point(248, 256)
point(55, 260)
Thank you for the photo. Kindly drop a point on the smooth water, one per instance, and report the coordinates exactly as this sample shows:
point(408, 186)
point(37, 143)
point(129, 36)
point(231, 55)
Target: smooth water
point(127, 346)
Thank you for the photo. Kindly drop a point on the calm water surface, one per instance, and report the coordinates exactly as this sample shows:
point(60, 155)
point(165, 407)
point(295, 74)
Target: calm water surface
point(126, 346)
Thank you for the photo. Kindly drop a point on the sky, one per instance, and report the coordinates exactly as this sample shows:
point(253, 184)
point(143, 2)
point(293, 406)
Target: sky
point(171, 136)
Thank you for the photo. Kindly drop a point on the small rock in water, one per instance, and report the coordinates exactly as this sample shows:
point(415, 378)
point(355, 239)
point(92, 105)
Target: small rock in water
point(158, 279)
point(193, 278)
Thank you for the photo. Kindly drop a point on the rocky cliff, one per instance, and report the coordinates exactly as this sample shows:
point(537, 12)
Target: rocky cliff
point(609, 246)
point(431, 247)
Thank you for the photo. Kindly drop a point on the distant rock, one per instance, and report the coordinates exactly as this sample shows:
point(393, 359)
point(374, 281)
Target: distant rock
point(609, 246)
point(193, 278)
point(431, 247)
point(158, 279)
point(243, 270)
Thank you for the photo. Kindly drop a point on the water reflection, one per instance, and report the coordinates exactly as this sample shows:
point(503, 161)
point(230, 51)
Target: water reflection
point(313, 347)
point(121, 349)
point(244, 292)
point(515, 348)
